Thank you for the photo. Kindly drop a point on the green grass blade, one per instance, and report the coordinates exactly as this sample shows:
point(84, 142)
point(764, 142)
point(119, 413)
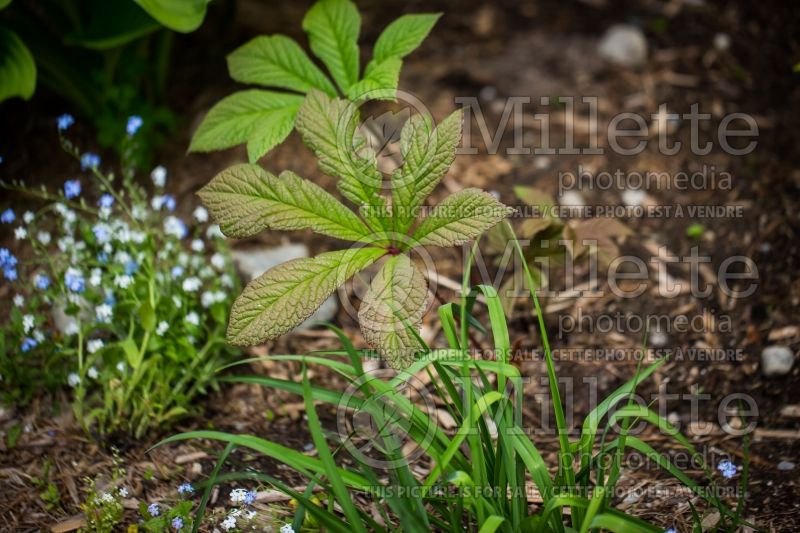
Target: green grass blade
point(332, 471)
point(492, 524)
point(212, 480)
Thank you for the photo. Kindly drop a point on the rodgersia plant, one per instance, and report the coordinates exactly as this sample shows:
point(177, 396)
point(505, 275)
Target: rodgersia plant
point(245, 199)
point(264, 118)
point(114, 296)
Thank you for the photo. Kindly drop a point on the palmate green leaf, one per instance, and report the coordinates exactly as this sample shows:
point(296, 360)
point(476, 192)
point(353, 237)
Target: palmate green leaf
point(179, 15)
point(17, 69)
point(328, 128)
point(284, 296)
point(402, 37)
point(460, 218)
point(261, 118)
point(379, 83)
point(246, 199)
point(427, 155)
point(277, 61)
point(392, 311)
point(333, 27)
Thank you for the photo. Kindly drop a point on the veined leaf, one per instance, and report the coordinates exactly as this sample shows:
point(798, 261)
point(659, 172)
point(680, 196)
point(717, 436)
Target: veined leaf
point(17, 69)
point(328, 128)
point(403, 36)
point(333, 27)
point(277, 61)
point(379, 83)
point(281, 298)
point(246, 199)
point(260, 118)
point(394, 304)
point(460, 218)
point(179, 15)
point(427, 155)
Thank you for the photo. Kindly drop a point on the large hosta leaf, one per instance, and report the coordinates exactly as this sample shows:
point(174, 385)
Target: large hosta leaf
point(460, 218)
point(333, 27)
point(392, 311)
point(284, 296)
point(328, 128)
point(427, 155)
point(17, 69)
point(262, 119)
point(277, 61)
point(246, 199)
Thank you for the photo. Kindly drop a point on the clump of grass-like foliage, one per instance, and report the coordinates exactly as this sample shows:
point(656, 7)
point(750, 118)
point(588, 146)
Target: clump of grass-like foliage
point(576, 493)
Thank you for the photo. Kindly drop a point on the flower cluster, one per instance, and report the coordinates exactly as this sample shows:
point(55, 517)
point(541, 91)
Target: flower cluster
point(242, 498)
point(120, 298)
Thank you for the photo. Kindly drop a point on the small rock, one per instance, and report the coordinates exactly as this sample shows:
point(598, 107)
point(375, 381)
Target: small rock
point(786, 465)
point(658, 339)
point(722, 41)
point(572, 199)
point(253, 262)
point(633, 197)
point(624, 45)
point(776, 360)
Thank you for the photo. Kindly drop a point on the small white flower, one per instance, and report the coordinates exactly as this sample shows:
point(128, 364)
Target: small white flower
point(138, 236)
point(193, 318)
point(92, 372)
point(38, 336)
point(218, 261)
point(44, 237)
point(238, 495)
point(214, 231)
point(71, 329)
point(157, 202)
point(177, 301)
point(19, 300)
point(206, 272)
point(162, 328)
point(122, 257)
point(198, 245)
point(123, 492)
point(175, 226)
point(28, 217)
point(121, 367)
point(73, 379)
point(226, 280)
point(287, 528)
point(65, 244)
point(191, 284)
point(20, 233)
point(93, 345)
point(106, 497)
point(210, 298)
point(123, 281)
point(28, 323)
point(96, 277)
point(229, 523)
point(200, 214)
point(139, 212)
point(104, 213)
point(252, 514)
point(159, 176)
point(104, 312)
